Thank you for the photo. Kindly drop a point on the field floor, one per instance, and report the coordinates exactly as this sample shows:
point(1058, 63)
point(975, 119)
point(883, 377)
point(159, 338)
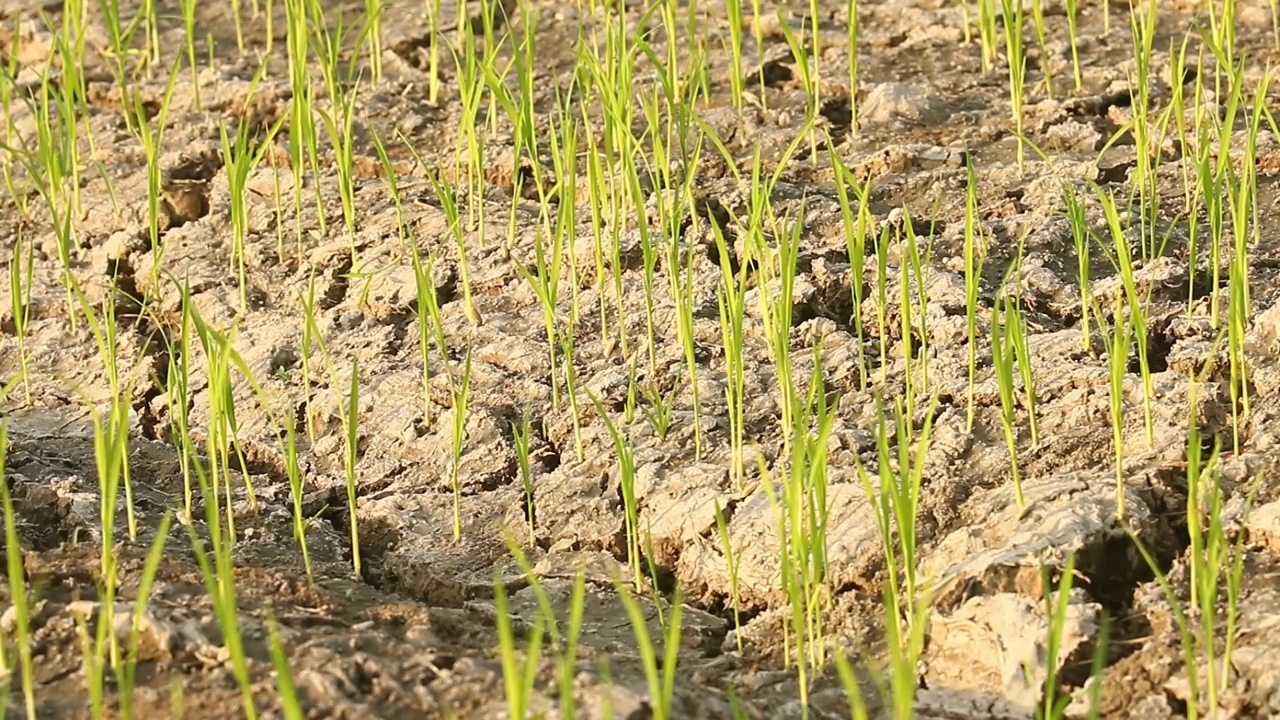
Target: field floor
point(601, 442)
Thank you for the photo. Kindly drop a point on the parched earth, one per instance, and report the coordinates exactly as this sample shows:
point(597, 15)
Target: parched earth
point(413, 635)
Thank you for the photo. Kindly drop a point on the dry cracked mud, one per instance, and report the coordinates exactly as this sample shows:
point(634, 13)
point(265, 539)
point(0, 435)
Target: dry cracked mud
point(413, 635)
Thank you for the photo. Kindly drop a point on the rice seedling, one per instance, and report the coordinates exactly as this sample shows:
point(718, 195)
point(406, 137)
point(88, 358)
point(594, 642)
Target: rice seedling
point(119, 47)
point(882, 298)
point(449, 203)
point(219, 579)
point(351, 456)
point(974, 258)
point(1012, 14)
point(660, 674)
point(1125, 266)
point(987, 14)
point(303, 138)
point(339, 120)
point(1217, 565)
point(776, 308)
point(726, 547)
point(731, 301)
point(187, 9)
point(10, 138)
point(517, 677)
point(113, 455)
point(649, 257)
point(737, 82)
point(1056, 601)
point(17, 584)
point(857, 225)
point(429, 324)
point(1116, 340)
point(757, 30)
point(564, 639)
point(801, 518)
point(126, 674)
point(290, 705)
point(913, 271)
point(372, 36)
point(1080, 236)
point(240, 160)
point(293, 471)
point(433, 56)
point(1046, 70)
point(1073, 14)
point(1002, 361)
point(895, 497)
point(852, 690)
point(1144, 180)
point(571, 388)
point(521, 436)
point(151, 144)
point(851, 10)
point(808, 77)
point(627, 487)
point(459, 397)
point(21, 280)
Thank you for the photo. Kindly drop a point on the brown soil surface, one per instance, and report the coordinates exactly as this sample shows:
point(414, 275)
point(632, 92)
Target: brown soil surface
point(413, 635)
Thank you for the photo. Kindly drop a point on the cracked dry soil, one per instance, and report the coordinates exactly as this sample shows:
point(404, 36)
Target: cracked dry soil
point(413, 636)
